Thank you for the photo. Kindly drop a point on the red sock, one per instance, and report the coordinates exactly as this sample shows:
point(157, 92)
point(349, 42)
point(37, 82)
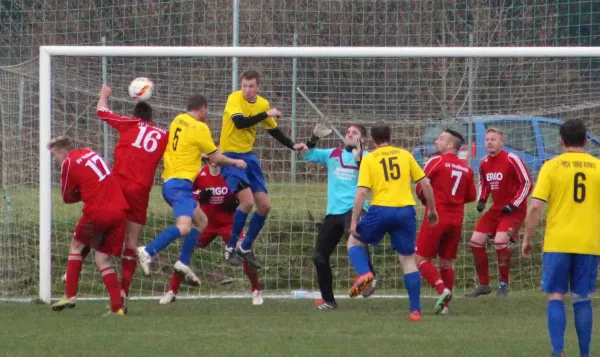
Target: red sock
point(481, 263)
point(431, 275)
point(74, 263)
point(252, 275)
point(175, 283)
point(503, 255)
point(112, 285)
point(128, 264)
point(447, 274)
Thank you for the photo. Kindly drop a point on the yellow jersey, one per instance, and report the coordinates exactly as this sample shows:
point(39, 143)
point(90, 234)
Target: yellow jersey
point(570, 184)
point(242, 140)
point(188, 139)
point(387, 172)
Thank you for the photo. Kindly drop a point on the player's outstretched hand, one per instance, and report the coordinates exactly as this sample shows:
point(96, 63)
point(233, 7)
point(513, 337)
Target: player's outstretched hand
point(300, 147)
point(432, 217)
point(273, 113)
point(526, 248)
point(106, 91)
point(240, 164)
point(480, 206)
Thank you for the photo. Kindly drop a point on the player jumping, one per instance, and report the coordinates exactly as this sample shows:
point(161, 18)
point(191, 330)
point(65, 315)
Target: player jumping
point(218, 204)
point(86, 178)
point(342, 176)
point(189, 137)
point(243, 111)
point(506, 177)
point(453, 186)
point(570, 185)
point(137, 154)
point(387, 172)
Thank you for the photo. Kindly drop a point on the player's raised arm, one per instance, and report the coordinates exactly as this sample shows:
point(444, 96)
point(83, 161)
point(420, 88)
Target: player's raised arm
point(141, 111)
point(525, 185)
point(217, 158)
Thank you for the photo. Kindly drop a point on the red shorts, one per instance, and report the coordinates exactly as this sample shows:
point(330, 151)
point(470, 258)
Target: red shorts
point(442, 239)
point(137, 197)
point(496, 221)
point(212, 232)
point(102, 232)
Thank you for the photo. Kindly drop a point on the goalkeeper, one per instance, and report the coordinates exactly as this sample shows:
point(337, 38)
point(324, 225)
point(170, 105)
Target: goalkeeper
point(342, 178)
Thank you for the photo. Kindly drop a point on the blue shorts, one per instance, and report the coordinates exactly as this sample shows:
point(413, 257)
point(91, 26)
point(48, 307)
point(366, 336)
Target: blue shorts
point(251, 177)
point(561, 271)
point(399, 222)
point(178, 194)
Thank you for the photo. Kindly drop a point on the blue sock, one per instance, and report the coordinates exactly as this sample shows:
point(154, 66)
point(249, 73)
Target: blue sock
point(557, 322)
point(239, 221)
point(412, 282)
point(162, 240)
point(583, 325)
point(187, 248)
point(257, 222)
point(359, 259)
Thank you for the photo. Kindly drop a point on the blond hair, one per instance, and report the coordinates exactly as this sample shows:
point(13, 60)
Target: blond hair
point(495, 130)
point(61, 142)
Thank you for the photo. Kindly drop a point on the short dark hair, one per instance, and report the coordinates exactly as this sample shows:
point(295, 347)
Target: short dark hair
point(196, 102)
point(361, 128)
point(458, 138)
point(143, 111)
point(61, 142)
point(250, 75)
point(381, 133)
point(573, 133)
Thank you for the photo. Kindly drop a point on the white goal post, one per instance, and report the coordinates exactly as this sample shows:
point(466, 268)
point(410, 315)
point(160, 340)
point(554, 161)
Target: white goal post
point(45, 96)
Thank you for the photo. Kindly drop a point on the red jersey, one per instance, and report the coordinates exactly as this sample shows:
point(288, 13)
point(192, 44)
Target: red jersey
point(452, 182)
point(139, 149)
point(86, 177)
point(506, 177)
point(220, 194)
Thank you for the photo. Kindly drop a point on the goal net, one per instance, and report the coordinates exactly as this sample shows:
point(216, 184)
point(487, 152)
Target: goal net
point(417, 96)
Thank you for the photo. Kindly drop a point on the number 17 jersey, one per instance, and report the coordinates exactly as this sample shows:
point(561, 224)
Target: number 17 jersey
point(570, 184)
point(139, 149)
point(387, 172)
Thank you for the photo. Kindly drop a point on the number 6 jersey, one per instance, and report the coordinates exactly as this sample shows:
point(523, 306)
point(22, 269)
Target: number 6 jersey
point(139, 149)
point(570, 185)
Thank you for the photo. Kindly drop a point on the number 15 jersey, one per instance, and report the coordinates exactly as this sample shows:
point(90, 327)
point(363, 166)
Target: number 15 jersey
point(387, 172)
point(570, 184)
point(139, 149)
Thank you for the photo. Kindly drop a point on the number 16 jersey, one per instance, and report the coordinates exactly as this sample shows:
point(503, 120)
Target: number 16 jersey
point(139, 149)
point(570, 184)
point(387, 172)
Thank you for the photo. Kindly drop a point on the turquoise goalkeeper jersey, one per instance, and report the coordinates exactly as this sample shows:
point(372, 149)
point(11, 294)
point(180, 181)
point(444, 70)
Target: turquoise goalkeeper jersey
point(342, 177)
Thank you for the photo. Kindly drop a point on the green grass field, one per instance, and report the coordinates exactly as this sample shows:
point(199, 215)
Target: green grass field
point(377, 327)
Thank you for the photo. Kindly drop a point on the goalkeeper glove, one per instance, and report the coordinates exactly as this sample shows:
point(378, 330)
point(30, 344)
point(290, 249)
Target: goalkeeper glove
point(230, 205)
point(319, 132)
point(508, 209)
point(357, 152)
point(480, 206)
point(204, 196)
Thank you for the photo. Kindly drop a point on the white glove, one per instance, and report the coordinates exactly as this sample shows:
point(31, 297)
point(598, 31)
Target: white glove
point(321, 130)
point(357, 152)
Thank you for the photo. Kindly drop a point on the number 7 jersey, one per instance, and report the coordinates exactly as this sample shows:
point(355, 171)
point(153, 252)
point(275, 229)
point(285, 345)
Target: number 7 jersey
point(452, 182)
point(139, 149)
point(570, 184)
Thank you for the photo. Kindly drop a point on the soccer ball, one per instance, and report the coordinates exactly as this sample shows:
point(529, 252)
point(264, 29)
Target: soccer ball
point(141, 88)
